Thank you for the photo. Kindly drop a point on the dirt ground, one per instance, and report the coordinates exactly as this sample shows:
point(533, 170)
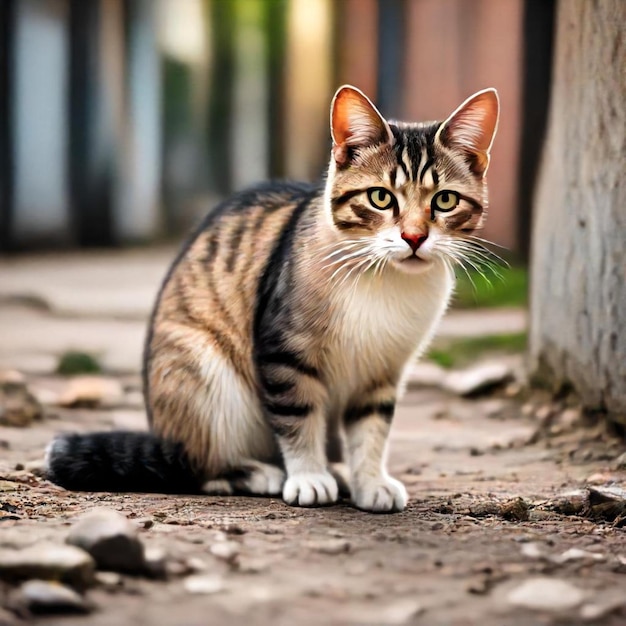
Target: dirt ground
point(455, 556)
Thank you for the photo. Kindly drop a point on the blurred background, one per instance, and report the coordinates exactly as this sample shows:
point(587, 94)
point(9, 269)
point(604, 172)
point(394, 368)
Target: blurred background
point(122, 121)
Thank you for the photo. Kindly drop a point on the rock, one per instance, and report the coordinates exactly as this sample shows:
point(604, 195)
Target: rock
point(330, 546)
point(91, 391)
point(8, 485)
point(45, 597)
point(599, 609)
point(477, 379)
point(111, 581)
point(156, 562)
point(225, 550)
point(110, 539)
point(532, 550)
point(575, 554)
point(570, 418)
point(425, 374)
point(18, 407)
point(67, 564)
point(515, 510)
point(546, 594)
point(11, 376)
point(608, 503)
point(203, 584)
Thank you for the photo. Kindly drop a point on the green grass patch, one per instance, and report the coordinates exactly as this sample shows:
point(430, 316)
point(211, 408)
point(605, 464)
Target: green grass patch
point(449, 353)
point(72, 362)
point(508, 290)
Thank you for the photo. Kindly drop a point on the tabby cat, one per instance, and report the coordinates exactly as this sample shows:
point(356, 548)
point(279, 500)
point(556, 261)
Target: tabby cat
point(282, 331)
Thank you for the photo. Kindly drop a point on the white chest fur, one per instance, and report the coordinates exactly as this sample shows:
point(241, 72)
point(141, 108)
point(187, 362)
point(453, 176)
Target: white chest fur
point(382, 323)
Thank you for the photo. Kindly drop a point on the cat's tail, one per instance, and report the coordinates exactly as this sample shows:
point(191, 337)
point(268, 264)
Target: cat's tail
point(120, 461)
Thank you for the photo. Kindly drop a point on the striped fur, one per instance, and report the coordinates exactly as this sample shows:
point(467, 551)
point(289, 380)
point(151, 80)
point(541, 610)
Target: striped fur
point(281, 333)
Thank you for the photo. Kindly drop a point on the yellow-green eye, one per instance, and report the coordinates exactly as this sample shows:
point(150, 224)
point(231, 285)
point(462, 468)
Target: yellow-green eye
point(445, 201)
point(380, 198)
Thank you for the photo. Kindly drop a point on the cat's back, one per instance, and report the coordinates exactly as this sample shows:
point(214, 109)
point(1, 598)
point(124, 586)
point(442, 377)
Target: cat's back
point(212, 287)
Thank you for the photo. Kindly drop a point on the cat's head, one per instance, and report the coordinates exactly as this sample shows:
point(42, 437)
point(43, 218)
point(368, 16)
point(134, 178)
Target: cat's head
point(408, 193)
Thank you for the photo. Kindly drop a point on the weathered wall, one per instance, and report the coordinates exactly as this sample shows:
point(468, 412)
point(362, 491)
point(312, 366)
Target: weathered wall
point(578, 295)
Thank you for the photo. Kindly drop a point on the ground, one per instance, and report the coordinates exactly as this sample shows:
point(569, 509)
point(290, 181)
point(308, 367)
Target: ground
point(460, 554)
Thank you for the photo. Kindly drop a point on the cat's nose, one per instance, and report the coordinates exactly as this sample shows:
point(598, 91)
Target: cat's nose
point(415, 240)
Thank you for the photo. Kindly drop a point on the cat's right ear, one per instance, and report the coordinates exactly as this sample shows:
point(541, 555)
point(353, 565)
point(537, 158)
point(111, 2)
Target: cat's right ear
point(355, 123)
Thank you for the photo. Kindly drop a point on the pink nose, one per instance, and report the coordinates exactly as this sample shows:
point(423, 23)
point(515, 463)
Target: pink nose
point(414, 240)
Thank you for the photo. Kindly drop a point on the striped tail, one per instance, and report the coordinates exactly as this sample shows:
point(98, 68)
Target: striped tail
point(120, 461)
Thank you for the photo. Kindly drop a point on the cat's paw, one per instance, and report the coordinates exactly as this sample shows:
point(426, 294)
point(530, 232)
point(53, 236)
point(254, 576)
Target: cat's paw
point(310, 489)
point(381, 495)
point(263, 479)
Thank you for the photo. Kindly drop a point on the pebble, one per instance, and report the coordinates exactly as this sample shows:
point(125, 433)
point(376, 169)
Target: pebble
point(546, 594)
point(477, 379)
point(110, 539)
point(203, 584)
point(155, 559)
point(48, 561)
point(109, 580)
point(576, 554)
point(42, 596)
point(18, 406)
point(532, 550)
point(225, 550)
point(91, 391)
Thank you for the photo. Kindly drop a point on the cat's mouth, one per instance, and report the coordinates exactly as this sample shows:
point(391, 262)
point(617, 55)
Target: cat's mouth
point(413, 264)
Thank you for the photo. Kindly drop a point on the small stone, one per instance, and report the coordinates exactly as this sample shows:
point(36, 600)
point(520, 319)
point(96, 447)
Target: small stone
point(203, 584)
point(597, 610)
point(477, 379)
point(45, 597)
point(18, 407)
point(570, 418)
point(515, 510)
point(330, 546)
point(195, 564)
point(91, 391)
point(48, 561)
point(425, 374)
point(532, 550)
point(576, 554)
point(111, 539)
point(527, 409)
point(109, 580)
point(156, 562)
point(546, 594)
point(225, 550)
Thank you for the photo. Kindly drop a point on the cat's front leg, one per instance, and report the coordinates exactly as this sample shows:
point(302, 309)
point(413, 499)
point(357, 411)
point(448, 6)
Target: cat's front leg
point(367, 423)
point(294, 401)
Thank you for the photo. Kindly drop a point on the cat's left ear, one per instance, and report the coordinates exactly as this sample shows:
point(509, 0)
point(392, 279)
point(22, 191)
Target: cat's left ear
point(355, 123)
point(472, 128)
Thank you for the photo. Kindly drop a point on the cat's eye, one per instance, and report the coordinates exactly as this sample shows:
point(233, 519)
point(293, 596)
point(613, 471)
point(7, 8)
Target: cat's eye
point(444, 201)
point(381, 198)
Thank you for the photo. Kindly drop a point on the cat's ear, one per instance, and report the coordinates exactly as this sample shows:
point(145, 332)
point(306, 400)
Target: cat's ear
point(355, 123)
point(472, 128)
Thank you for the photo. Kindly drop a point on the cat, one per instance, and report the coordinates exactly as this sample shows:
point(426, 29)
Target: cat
point(282, 331)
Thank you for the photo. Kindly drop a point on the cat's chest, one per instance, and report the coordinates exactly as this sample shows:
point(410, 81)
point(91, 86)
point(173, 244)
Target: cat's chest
point(378, 326)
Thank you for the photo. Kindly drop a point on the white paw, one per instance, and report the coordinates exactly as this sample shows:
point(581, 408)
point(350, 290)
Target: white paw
point(381, 495)
point(265, 480)
point(310, 489)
